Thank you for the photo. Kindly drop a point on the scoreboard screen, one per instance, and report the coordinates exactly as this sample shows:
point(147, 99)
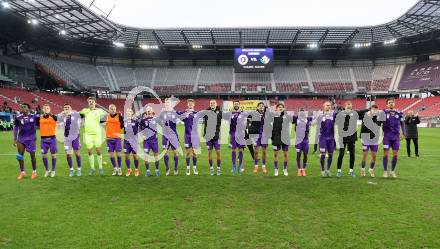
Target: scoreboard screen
point(253, 60)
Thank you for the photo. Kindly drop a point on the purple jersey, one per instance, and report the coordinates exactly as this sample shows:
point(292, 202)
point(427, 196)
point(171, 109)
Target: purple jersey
point(148, 127)
point(327, 125)
point(168, 120)
point(261, 128)
point(72, 124)
point(302, 128)
point(237, 130)
point(188, 119)
point(25, 127)
point(393, 123)
point(130, 128)
point(235, 115)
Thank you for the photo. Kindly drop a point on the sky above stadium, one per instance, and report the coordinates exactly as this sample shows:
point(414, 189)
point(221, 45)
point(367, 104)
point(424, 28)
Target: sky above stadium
point(250, 13)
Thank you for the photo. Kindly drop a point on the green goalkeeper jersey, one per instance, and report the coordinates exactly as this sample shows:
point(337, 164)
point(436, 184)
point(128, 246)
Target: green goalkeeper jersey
point(92, 120)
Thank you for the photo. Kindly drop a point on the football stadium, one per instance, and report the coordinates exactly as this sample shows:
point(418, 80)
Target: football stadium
point(219, 124)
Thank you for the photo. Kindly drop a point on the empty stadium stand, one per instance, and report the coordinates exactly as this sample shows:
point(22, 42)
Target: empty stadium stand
point(291, 79)
point(327, 79)
point(216, 79)
point(218, 88)
point(318, 78)
point(374, 79)
point(427, 107)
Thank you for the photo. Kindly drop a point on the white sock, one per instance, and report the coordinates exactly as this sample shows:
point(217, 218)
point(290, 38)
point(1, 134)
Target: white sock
point(339, 170)
point(351, 170)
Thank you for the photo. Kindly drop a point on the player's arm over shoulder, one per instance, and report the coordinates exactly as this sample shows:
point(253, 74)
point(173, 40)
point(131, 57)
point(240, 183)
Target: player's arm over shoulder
point(121, 121)
point(102, 115)
point(83, 112)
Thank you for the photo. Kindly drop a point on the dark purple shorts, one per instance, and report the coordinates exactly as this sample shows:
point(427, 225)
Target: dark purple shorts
point(258, 143)
point(189, 142)
point(151, 144)
point(234, 143)
point(114, 144)
point(283, 147)
point(70, 144)
point(171, 143)
point(213, 143)
point(303, 146)
point(47, 144)
point(131, 146)
point(393, 143)
point(29, 145)
point(369, 147)
point(372, 148)
point(327, 145)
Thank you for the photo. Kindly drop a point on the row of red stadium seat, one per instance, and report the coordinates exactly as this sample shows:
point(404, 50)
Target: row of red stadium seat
point(428, 106)
point(320, 87)
point(330, 87)
point(252, 87)
point(173, 89)
point(218, 88)
point(431, 112)
point(375, 85)
point(15, 96)
point(289, 87)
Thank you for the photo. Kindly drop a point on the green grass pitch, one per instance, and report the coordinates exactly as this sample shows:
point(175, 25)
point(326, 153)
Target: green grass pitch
point(248, 211)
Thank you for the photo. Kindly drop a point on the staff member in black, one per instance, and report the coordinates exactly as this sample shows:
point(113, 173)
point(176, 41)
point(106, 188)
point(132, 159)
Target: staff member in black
point(255, 130)
point(277, 141)
point(411, 122)
point(348, 141)
point(213, 143)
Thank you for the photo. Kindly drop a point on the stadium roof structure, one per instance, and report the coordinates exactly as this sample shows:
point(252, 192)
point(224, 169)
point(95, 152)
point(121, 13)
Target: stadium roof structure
point(80, 22)
point(74, 20)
